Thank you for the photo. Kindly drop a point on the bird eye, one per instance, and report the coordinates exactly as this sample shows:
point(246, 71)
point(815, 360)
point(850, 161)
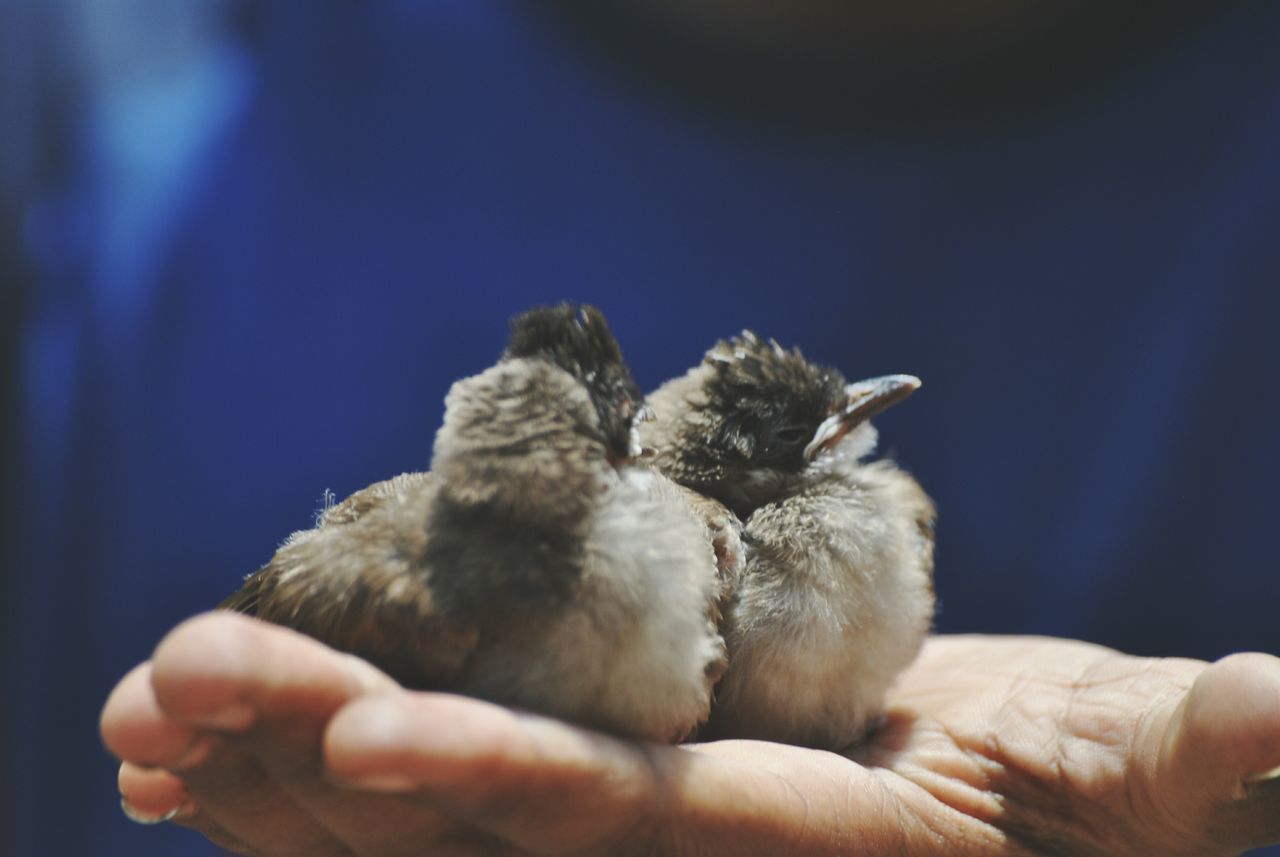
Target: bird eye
point(792, 435)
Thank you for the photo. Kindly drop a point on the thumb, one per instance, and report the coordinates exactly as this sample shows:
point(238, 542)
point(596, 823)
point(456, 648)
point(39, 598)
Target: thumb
point(1217, 769)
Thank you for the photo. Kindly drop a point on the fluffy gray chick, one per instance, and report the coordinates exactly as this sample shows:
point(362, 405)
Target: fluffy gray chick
point(836, 594)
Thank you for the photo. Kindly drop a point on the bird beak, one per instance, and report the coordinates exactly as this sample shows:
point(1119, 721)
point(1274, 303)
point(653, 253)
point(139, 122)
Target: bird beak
point(863, 400)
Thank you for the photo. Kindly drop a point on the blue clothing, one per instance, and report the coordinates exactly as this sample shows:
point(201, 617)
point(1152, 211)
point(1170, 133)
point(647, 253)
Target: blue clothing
point(1088, 290)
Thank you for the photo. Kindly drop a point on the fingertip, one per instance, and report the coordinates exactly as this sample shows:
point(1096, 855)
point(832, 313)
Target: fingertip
point(204, 629)
point(367, 725)
point(151, 795)
point(1233, 714)
point(1251, 670)
point(364, 746)
point(199, 671)
point(223, 672)
point(135, 730)
point(1229, 744)
point(395, 742)
point(119, 712)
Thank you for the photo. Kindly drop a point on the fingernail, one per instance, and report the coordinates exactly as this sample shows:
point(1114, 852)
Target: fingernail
point(233, 718)
point(1241, 789)
point(139, 817)
point(1273, 774)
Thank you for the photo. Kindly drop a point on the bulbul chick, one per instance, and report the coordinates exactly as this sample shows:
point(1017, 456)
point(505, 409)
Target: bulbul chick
point(535, 565)
point(836, 594)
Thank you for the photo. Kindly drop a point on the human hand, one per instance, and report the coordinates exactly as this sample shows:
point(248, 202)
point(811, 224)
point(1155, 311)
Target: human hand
point(271, 744)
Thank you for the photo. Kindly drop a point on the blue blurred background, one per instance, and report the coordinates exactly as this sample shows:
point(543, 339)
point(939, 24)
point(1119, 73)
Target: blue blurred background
point(245, 248)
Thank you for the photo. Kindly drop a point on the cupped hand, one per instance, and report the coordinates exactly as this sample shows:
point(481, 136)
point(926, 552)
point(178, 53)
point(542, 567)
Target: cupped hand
point(271, 744)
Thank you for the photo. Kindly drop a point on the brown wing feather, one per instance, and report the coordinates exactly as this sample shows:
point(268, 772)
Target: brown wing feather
point(356, 582)
point(245, 599)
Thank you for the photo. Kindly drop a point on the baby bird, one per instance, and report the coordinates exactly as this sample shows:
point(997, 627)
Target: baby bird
point(836, 594)
point(536, 565)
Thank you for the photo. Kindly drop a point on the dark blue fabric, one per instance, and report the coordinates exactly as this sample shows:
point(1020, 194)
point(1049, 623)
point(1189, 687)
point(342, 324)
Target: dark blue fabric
point(1089, 291)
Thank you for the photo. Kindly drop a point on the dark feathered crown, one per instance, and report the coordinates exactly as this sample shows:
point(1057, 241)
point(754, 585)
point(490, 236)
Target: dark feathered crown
point(578, 340)
point(761, 372)
point(761, 392)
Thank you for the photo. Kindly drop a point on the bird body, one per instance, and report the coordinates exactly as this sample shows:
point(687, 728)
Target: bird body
point(545, 563)
point(536, 565)
point(835, 600)
point(636, 650)
point(835, 597)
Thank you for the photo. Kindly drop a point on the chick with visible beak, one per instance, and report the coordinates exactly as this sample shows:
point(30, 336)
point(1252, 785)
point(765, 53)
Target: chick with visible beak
point(835, 596)
point(863, 401)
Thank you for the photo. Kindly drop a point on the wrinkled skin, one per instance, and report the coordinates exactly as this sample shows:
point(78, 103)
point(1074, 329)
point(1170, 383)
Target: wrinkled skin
point(268, 743)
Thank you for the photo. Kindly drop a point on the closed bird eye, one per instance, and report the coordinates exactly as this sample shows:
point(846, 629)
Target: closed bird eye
point(792, 435)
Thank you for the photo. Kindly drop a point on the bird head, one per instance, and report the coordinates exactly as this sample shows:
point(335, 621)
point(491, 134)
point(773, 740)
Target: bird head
point(754, 421)
point(577, 339)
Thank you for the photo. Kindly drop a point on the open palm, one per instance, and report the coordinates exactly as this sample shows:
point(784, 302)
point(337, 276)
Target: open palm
point(271, 744)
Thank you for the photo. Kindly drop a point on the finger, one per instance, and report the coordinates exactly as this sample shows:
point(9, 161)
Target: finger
point(274, 691)
point(211, 674)
point(545, 786)
point(152, 795)
point(155, 746)
point(1222, 749)
point(135, 729)
point(498, 769)
point(221, 671)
